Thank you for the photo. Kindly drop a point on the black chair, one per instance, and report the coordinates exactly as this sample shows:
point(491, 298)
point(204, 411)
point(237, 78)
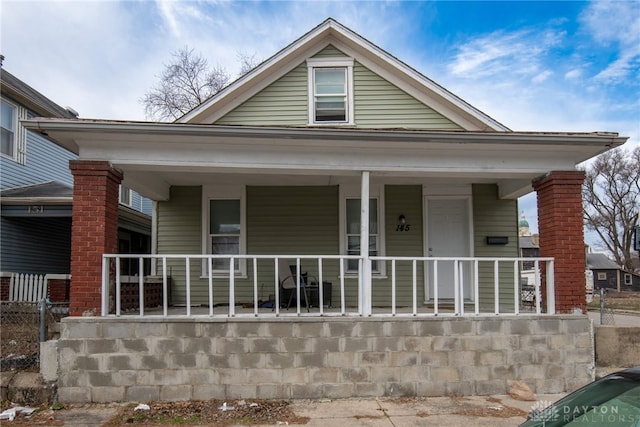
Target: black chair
point(287, 276)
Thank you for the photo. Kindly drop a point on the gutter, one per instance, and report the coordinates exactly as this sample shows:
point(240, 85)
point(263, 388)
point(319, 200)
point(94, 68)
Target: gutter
point(37, 200)
point(79, 127)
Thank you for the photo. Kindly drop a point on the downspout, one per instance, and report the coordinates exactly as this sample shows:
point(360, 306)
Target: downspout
point(365, 277)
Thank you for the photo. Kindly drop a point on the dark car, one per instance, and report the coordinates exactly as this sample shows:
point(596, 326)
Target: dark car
point(613, 401)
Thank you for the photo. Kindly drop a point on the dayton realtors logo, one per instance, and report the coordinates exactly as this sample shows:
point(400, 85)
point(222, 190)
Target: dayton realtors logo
point(544, 411)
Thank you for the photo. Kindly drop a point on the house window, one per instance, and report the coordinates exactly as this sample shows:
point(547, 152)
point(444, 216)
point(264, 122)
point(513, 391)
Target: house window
point(330, 90)
point(8, 130)
point(330, 94)
point(602, 275)
point(125, 196)
point(627, 279)
point(225, 230)
point(353, 233)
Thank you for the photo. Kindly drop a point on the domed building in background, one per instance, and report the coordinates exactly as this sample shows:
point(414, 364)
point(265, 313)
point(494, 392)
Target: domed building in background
point(529, 245)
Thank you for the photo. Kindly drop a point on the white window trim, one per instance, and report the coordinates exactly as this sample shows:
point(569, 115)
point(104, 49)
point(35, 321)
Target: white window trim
point(628, 281)
point(16, 133)
point(348, 191)
point(125, 188)
point(602, 275)
point(223, 192)
point(330, 62)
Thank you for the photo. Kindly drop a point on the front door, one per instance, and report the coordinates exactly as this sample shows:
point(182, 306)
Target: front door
point(448, 235)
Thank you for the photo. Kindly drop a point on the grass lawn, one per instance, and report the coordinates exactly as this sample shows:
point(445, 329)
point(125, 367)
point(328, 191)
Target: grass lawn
point(617, 301)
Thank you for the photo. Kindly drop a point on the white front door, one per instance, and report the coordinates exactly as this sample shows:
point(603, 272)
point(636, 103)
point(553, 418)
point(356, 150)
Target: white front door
point(448, 235)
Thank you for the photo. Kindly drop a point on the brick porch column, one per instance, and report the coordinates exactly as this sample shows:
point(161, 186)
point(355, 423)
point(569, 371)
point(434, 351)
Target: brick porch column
point(562, 235)
point(94, 231)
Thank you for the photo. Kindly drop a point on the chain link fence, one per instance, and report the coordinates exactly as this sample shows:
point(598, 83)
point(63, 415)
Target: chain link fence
point(607, 316)
point(24, 326)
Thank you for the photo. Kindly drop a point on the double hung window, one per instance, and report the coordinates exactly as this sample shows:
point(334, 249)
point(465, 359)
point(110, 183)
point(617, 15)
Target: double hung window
point(8, 122)
point(330, 94)
point(225, 227)
point(330, 90)
point(353, 233)
point(125, 196)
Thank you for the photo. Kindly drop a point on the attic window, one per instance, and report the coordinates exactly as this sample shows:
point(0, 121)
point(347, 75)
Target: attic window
point(330, 90)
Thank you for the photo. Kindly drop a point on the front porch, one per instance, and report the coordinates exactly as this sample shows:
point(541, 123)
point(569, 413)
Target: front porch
point(432, 195)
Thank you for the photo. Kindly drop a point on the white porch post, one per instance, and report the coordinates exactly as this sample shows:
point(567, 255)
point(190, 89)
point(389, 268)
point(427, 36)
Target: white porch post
point(365, 277)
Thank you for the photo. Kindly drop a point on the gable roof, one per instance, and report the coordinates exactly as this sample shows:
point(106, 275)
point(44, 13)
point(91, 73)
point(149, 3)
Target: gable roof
point(371, 56)
point(601, 262)
point(50, 189)
point(21, 92)
point(528, 242)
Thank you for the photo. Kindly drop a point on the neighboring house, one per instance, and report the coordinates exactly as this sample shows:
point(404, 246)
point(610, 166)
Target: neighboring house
point(609, 275)
point(277, 163)
point(37, 190)
point(422, 280)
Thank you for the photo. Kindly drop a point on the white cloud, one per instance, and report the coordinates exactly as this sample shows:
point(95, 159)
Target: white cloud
point(616, 24)
point(519, 53)
point(625, 65)
point(613, 21)
point(573, 74)
point(539, 78)
point(167, 11)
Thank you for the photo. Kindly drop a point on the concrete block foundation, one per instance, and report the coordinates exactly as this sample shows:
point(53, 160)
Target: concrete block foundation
point(124, 359)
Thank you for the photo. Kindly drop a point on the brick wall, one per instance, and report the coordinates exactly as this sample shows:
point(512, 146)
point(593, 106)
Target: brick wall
point(94, 231)
point(116, 359)
point(561, 232)
point(59, 290)
point(5, 283)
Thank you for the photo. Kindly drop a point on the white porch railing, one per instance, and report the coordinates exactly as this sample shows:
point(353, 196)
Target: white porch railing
point(448, 286)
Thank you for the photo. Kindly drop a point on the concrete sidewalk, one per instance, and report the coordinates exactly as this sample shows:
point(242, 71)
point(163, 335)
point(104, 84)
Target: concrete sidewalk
point(490, 411)
point(493, 411)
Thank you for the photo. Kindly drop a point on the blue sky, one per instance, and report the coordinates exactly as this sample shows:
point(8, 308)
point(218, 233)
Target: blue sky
point(533, 66)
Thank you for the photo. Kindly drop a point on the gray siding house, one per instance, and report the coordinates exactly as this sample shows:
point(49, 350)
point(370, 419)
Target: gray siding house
point(608, 275)
point(36, 190)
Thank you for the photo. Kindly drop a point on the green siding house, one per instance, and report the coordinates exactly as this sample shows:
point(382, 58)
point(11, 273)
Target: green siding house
point(332, 224)
point(272, 170)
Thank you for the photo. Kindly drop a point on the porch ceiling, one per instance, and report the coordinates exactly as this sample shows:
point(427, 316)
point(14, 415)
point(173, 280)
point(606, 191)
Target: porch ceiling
point(155, 156)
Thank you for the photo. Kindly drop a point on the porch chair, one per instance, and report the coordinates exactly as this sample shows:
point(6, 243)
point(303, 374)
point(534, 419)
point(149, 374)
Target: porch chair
point(288, 282)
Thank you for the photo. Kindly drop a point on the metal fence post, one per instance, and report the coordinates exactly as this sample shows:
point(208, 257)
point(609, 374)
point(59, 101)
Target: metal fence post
point(602, 306)
point(42, 309)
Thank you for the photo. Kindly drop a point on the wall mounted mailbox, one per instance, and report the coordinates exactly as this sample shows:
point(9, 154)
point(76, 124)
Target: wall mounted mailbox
point(497, 240)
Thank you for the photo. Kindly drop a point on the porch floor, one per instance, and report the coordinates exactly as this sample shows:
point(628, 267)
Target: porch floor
point(247, 310)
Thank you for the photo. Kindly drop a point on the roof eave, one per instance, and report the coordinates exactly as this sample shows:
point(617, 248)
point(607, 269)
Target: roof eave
point(67, 133)
point(37, 200)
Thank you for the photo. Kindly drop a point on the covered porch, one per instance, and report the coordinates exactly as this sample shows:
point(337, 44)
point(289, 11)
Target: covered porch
point(440, 228)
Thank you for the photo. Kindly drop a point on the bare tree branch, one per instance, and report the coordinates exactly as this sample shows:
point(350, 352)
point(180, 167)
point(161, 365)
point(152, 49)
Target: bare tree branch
point(186, 82)
point(611, 195)
point(247, 62)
